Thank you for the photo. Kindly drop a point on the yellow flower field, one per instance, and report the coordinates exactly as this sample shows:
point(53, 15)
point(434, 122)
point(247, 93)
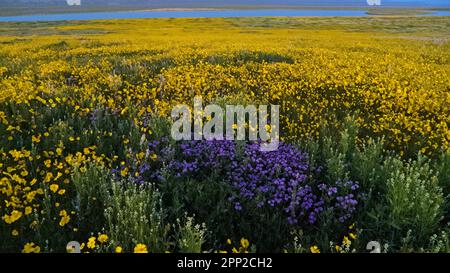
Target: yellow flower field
point(396, 83)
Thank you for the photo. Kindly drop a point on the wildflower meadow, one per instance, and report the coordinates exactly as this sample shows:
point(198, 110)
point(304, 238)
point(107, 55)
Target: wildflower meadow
point(88, 163)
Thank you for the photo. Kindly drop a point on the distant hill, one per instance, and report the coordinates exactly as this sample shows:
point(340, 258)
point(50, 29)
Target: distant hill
point(222, 3)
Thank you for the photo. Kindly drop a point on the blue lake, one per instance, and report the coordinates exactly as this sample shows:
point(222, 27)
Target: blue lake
point(189, 14)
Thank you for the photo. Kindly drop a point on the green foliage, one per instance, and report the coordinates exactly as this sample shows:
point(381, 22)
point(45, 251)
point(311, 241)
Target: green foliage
point(205, 199)
point(190, 236)
point(414, 198)
point(47, 232)
point(398, 196)
point(436, 243)
point(92, 185)
point(134, 216)
point(443, 169)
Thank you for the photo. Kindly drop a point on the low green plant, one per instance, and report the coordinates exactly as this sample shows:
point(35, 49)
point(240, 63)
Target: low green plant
point(92, 184)
point(443, 168)
point(190, 237)
point(207, 200)
point(414, 197)
point(134, 216)
point(436, 243)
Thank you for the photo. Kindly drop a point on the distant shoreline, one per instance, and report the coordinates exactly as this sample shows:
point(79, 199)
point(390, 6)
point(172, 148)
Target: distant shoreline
point(177, 9)
point(20, 11)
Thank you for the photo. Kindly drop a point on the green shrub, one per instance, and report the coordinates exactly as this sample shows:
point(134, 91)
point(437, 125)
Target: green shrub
point(437, 243)
point(366, 164)
point(190, 236)
point(208, 200)
point(91, 186)
point(47, 233)
point(414, 197)
point(398, 196)
point(134, 216)
point(443, 168)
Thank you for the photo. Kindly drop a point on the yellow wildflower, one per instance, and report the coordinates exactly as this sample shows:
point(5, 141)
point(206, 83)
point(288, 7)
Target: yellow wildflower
point(64, 218)
point(314, 249)
point(245, 243)
point(36, 139)
point(103, 238)
point(28, 210)
point(54, 187)
point(140, 248)
point(15, 215)
point(31, 248)
point(91, 243)
point(124, 172)
point(346, 241)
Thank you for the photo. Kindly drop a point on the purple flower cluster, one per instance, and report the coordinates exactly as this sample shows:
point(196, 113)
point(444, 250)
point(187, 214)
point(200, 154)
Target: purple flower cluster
point(202, 157)
point(275, 179)
point(342, 196)
point(278, 179)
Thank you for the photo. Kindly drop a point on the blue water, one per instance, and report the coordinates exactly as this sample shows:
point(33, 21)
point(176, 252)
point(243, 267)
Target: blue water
point(439, 13)
point(188, 14)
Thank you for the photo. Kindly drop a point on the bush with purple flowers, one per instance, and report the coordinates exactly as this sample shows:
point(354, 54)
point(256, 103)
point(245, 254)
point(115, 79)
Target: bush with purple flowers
point(343, 197)
point(234, 184)
point(279, 179)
